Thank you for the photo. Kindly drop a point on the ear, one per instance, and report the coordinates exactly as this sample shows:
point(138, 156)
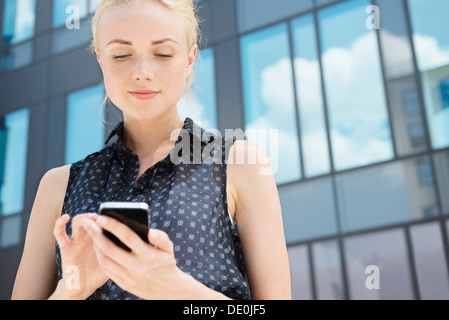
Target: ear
point(99, 59)
point(191, 59)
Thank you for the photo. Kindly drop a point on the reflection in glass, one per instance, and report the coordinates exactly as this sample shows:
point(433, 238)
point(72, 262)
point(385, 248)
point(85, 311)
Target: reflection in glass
point(430, 25)
point(64, 39)
point(17, 56)
point(387, 194)
point(441, 162)
point(405, 106)
point(63, 10)
point(85, 131)
point(359, 123)
point(308, 210)
point(326, 261)
point(12, 188)
point(269, 97)
point(18, 20)
point(300, 273)
point(10, 231)
point(310, 101)
point(430, 261)
point(201, 104)
point(255, 13)
point(385, 250)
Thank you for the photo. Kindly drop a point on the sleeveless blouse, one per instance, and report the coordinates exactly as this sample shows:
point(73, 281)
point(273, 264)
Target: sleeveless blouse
point(186, 192)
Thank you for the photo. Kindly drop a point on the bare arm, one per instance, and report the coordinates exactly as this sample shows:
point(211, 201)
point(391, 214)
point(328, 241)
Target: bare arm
point(259, 219)
point(37, 274)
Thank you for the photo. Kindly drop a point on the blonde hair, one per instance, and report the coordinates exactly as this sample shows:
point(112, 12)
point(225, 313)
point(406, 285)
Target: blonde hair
point(185, 9)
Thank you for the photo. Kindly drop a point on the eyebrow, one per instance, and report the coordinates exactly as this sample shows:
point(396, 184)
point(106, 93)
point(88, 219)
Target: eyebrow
point(129, 43)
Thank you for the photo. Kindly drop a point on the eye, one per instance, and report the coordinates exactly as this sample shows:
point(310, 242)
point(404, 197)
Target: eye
point(120, 57)
point(164, 56)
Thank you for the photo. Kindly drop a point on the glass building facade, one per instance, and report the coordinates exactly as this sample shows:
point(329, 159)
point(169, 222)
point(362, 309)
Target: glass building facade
point(356, 92)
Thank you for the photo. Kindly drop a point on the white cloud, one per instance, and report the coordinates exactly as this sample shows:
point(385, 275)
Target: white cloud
point(428, 52)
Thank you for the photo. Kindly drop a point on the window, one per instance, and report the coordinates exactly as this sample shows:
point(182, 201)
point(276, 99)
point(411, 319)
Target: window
point(444, 87)
point(358, 118)
point(269, 98)
point(410, 102)
point(85, 130)
point(300, 273)
point(377, 250)
point(254, 13)
point(18, 26)
point(310, 101)
point(429, 24)
point(63, 9)
point(14, 142)
point(10, 230)
point(18, 20)
point(428, 253)
point(201, 104)
point(328, 271)
point(387, 194)
point(308, 210)
point(441, 163)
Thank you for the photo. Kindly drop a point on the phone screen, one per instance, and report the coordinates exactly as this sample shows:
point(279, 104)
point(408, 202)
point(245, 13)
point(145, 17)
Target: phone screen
point(136, 215)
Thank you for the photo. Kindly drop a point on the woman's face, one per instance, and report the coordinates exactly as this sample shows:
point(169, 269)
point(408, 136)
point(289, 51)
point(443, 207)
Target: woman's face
point(145, 59)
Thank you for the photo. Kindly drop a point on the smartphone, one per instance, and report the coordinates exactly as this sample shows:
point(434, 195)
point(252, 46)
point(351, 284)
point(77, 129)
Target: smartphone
point(136, 215)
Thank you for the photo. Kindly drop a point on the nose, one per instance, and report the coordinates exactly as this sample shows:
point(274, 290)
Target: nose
point(143, 70)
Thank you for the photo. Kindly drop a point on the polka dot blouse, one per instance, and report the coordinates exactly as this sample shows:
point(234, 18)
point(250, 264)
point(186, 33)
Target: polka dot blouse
point(186, 192)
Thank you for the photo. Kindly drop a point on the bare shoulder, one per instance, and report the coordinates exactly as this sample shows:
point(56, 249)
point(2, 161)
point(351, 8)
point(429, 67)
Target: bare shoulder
point(248, 162)
point(250, 176)
point(57, 175)
point(52, 188)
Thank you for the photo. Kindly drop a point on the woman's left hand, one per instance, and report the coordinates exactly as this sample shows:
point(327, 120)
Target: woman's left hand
point(147, 272)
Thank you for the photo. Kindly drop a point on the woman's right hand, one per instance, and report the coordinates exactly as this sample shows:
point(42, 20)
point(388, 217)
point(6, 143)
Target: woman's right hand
point(82, 274)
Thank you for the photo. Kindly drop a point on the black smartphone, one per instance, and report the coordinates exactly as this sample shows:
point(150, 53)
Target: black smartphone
point(136, 215)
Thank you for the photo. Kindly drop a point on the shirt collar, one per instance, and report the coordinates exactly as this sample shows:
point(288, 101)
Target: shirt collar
point(190, 126)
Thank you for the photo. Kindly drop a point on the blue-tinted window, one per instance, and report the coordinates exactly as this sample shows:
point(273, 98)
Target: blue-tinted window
point(431, 267)
point(430, 25)
point(444, 88)
point(300, 273)
point(356, 101)
point(200, 105)
point(17, 56)
point(410, 102)
point(308, 210)
point(441, 165)
point(255, 13)
point(328, 271)
point(85, 129)
point(269, 99)
point(18, 20)
point(10, 230)
point(385, 250)
point(68, 10)
point(310, 100)
point(14, 159)
point(387, 194)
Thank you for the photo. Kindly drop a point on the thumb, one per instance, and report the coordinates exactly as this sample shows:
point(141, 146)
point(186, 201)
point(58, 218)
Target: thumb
point(160, 240)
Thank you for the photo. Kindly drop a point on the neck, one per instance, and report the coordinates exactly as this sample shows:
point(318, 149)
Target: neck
point(147, 137)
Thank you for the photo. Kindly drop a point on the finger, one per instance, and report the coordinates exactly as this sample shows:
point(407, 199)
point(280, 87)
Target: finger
point(106, 246)
point(161, 240)
point(78, 231)
point(123, 233)
point(60, 232)
point(111, 268)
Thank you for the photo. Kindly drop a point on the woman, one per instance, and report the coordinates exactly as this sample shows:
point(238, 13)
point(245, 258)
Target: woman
point(146, 50)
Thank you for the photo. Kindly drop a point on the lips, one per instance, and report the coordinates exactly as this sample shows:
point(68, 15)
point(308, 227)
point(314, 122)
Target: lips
point(143, 94)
